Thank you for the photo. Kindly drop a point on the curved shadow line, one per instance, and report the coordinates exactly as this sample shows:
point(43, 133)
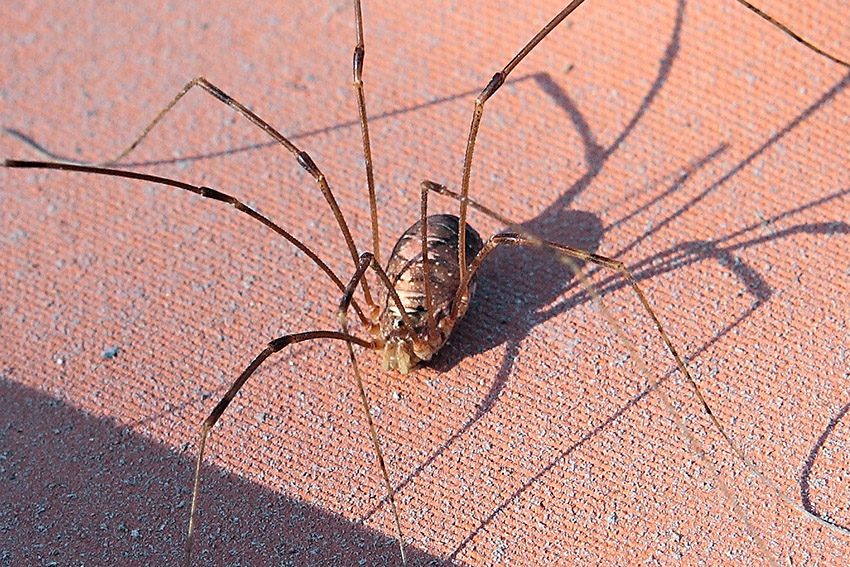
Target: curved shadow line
point(687, 253)
point(677, 184)
point(805, 476)
point(596, 155)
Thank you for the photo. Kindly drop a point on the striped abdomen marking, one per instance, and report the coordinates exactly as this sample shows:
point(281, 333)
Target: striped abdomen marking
point(406, 272)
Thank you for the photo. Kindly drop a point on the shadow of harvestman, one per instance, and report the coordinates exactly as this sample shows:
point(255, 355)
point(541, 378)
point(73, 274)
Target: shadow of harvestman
point(523, 308)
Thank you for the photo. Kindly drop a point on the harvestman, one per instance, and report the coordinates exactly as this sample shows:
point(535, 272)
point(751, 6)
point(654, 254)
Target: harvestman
point(430, 275)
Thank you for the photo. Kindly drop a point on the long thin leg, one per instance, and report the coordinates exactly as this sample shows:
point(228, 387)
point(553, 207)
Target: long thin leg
point(367, 260)
point(491, 88)
point(359, 55)
point(792, 34)
point(207, 192)
point(303, 158)
point(273, 347)
point(500, 77)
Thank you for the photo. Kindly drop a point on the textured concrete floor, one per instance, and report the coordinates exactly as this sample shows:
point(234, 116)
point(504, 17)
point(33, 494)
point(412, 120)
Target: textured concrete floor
point(693, 141)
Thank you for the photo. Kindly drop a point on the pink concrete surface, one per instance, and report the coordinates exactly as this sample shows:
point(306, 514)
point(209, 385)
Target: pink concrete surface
point(693, 141)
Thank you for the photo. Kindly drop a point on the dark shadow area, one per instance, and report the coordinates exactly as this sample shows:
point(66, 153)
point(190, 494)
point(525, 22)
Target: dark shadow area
point(75, 489)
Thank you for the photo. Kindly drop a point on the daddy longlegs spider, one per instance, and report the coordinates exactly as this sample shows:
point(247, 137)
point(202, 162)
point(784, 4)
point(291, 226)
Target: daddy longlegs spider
point(520, 236)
